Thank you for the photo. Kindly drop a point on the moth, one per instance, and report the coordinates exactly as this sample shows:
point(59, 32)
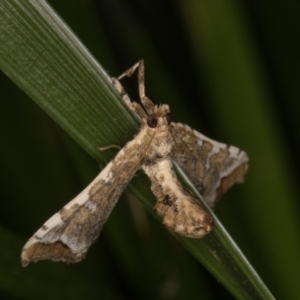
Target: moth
point(212, 167)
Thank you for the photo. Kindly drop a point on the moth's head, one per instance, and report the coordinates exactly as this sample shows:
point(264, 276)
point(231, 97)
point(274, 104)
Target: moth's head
point(160, 117)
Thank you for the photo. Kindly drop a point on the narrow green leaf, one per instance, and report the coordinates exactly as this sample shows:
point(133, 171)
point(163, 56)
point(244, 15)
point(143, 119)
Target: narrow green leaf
point(41, 55)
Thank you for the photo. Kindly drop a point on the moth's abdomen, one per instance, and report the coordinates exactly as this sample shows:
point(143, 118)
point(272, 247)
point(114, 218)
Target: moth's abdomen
point(181, 213)
point(187, 218)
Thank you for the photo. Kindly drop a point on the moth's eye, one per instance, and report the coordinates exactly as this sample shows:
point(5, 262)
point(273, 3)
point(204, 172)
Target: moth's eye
point(169, 118)
point(152, 121)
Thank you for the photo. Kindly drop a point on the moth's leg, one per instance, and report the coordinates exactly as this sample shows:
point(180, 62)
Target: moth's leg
point(146, 102)
point(120, 89)
point(137, 108)
point(118, 86)
point(109, 147)
point(131, 70)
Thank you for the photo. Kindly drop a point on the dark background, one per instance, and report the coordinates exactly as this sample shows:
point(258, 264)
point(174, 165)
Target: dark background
point(229, 69)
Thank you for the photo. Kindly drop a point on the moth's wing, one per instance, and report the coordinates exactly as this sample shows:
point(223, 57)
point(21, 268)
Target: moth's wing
point(68, 234)
point(212, 167)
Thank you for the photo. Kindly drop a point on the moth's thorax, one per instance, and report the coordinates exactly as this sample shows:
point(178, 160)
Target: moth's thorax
point(155, 130)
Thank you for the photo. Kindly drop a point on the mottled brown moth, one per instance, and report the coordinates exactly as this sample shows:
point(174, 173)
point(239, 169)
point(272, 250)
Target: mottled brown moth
point(212, 167)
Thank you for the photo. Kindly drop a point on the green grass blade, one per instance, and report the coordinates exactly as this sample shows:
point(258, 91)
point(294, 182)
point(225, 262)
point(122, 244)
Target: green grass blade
point(42, 56)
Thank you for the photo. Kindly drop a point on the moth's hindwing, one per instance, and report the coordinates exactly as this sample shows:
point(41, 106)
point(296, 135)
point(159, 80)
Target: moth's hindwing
point(212, 167)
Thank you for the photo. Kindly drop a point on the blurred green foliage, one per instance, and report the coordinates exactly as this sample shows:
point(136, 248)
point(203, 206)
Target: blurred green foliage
point(230, 70)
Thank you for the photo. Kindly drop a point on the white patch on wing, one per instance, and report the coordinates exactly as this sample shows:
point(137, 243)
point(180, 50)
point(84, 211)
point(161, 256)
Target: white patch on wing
point(199, 142)
point(55, 220)
point(201, 136)
point(92, 206)
point(239, 155)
